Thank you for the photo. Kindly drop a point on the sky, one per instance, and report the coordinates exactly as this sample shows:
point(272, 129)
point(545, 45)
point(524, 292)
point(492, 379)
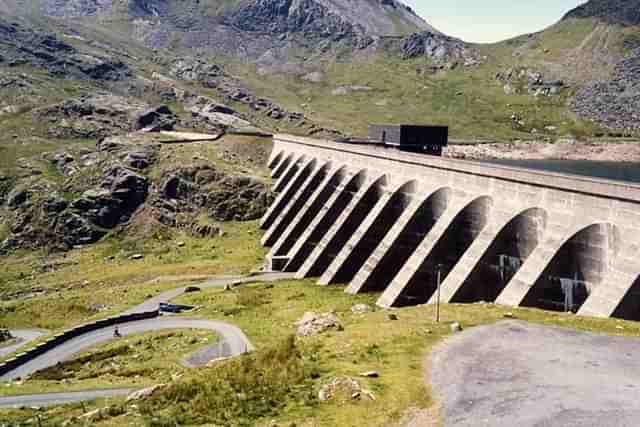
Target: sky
point(486, 21)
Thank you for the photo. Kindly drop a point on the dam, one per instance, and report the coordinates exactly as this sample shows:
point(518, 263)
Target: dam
point(378, 219)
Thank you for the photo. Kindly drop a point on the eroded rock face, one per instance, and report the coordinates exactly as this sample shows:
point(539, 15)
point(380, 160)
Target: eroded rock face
point(226, 198)
point(613, 104)
point(102, 115)
point(43, 50)
point(439, 48)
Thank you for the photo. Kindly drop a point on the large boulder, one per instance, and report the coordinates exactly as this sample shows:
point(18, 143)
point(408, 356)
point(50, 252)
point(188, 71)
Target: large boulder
point(155, 119)
point(127, 186)
point(315, 323)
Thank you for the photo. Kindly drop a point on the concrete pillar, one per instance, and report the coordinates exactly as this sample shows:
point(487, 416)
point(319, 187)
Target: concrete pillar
point(314, 177)
point(282, 165)
point(368, 235)
point(288, 174)
point(609, 295)
point(308, 212)
point(275, 158)
point(409, 272)
point(401, 241)
point(520, 285)
point(471, 257)
point(343, 226)
point(286, 197)
point(339, 200)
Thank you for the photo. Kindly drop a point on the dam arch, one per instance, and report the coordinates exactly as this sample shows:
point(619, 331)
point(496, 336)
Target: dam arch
point(378, 273)
point(275, 160)
point(288, 174)
point(342, 198)
point(576, 269)
point(300, 172)
point(315, 178)
point(507, 253)
point(376, 231)
point(281, 167)
point(354, 218)
point(467, 224)
point(288, 239)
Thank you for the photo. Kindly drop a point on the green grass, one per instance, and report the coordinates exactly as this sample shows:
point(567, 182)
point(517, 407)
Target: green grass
point(372, 341)
point(468, 99)
point(84, 277)
point(134, 361)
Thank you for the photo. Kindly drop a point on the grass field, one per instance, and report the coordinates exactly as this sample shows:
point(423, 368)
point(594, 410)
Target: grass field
point(396, 349)
point(130, 362)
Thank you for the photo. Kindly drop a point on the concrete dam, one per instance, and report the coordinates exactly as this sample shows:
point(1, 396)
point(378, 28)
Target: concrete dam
point(383, 220)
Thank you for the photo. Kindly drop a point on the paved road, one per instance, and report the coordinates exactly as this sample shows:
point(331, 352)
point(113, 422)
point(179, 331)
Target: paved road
point(49, 399)
point(525, 375)
point(233, 341)
point(24, 337)
point(218, 282)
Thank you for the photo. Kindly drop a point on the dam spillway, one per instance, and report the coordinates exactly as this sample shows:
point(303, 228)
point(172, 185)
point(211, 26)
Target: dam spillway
point(378, 219)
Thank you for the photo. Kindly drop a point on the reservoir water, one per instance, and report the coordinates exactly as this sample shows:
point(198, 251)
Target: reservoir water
point(617, 171)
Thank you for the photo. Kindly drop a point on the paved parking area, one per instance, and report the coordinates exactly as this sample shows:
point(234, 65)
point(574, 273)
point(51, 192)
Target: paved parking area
point(516, 374)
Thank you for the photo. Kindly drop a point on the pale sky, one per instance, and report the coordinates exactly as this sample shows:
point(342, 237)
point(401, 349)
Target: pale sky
point(489, 21)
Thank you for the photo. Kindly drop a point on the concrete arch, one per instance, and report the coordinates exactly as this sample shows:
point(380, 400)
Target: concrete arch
point(343, 228)
point(451, 245)
point(629, 306)
point(503, 258)
point(313, 179)
point(370, 233)
point(300, 172)
point(275, 160)
point(290, 236)
point(576, 269)
point(385, 263)
point(288, 174)
point(281, 167)
point(337, 204)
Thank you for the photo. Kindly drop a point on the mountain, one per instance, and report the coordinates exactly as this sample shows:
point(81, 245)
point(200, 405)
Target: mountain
point(85, 84)
point(624, 12)
point(246, 28)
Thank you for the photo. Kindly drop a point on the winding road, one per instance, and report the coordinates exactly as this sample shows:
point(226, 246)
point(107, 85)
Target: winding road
point(233, 342)
point(23, 337)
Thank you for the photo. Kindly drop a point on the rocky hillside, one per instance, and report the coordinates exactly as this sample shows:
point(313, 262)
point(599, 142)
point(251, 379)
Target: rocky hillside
point(625, 12)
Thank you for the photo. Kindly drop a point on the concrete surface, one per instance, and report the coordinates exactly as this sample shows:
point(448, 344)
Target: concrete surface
point(533, 235)
point(525, 375)
point(50, 399)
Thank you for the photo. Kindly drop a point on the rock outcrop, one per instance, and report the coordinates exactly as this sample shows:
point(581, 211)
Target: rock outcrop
point(26, 46)
point(442, 50)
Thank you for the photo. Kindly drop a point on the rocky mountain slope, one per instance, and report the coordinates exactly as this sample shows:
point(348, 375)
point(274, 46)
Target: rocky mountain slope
point(624, 12)
point(77, 73)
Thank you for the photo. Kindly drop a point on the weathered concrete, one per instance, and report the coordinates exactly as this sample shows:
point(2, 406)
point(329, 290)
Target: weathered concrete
point(383, 220)
point(300, 170)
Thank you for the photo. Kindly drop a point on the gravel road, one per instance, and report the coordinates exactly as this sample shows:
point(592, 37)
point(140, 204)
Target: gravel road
point(24, 336)
point(525, 375)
